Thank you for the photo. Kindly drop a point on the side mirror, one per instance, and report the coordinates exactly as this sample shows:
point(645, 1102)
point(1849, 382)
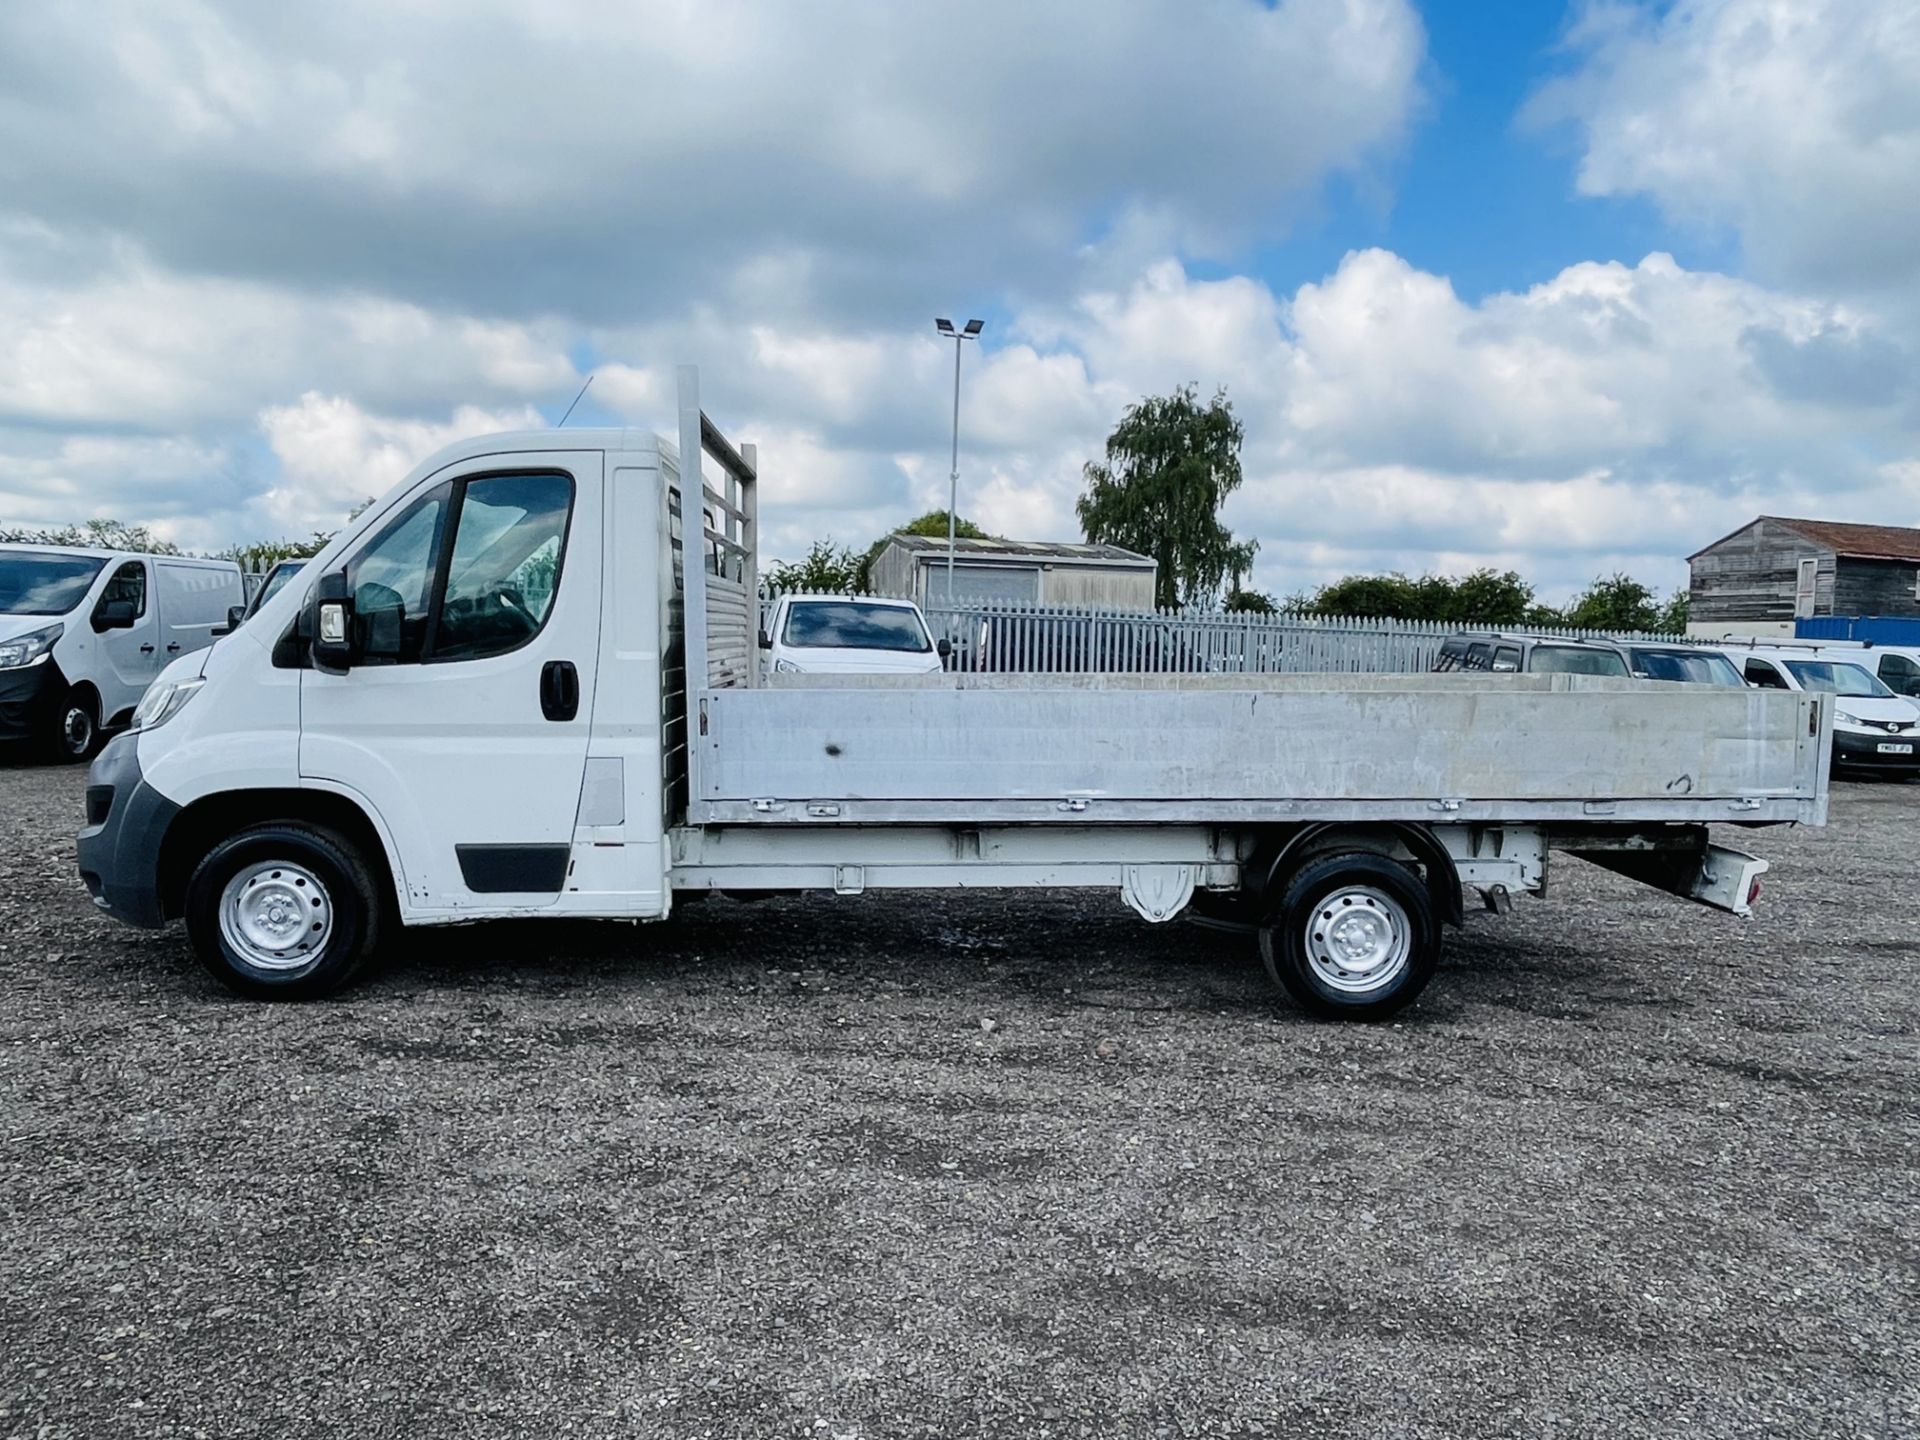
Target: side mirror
point(114, 615)
point(766, 641)
point(943, 647)
point(332, 625)
point(236, 615)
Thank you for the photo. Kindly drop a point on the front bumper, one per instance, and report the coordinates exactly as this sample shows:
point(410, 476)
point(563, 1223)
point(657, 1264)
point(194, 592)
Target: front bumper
point(119, 849)
point(25, 695)
point(1855, 751)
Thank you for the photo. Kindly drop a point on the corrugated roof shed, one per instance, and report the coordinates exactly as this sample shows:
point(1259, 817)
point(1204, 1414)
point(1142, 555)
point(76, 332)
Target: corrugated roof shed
point(1025, 550)
point(1858, 542)
point(1862, 542)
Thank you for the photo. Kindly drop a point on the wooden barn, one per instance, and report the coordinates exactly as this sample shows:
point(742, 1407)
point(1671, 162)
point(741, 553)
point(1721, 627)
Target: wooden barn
point(1773, 571)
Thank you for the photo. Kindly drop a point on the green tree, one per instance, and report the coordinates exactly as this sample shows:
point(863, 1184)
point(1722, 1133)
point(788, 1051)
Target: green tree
point(828, 570)
point(933, 523)
point(1616, 602)
point(1382, 597)
point(1482, 597)
point(1673, 615)
point(93, 535)
point(1170, 465)
point(1489, 597)
point(1248, 602)
point(263, 555)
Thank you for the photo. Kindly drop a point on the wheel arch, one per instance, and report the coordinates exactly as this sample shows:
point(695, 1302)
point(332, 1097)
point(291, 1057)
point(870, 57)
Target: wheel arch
point(1273, 864)
point(205, 822)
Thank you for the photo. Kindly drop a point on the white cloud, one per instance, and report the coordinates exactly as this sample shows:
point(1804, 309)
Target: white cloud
point(1611, 415)
point(365, 230)
point(1795, 122)
point(333, 454)
point(135, 346)
point(602, 162)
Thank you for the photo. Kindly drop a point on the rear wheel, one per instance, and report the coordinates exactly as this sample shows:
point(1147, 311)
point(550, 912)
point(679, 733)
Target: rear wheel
point(1354, 937)
point(284, 911)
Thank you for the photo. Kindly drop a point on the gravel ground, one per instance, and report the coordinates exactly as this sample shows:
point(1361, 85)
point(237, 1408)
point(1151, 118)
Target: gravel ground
point(1630, 1168)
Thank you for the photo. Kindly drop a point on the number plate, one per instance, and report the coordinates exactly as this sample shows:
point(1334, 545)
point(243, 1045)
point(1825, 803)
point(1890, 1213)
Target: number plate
point(1886, 748)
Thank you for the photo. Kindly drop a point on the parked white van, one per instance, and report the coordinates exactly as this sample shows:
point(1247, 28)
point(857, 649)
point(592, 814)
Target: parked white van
point(84, 632)
point(849, 635)
point(1873, 728)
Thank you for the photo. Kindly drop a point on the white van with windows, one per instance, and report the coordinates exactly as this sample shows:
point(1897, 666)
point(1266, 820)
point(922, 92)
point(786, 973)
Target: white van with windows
point(850, 635)
point(1873, 728)
point(84, 632)
point(1895, 666)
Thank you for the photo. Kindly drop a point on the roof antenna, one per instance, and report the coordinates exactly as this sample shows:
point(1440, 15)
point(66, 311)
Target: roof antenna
point(576, 401)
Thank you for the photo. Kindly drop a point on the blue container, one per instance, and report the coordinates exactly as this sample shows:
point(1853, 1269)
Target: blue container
point(1879, 629)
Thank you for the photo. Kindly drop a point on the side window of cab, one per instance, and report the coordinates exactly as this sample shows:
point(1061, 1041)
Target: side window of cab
point(127, 587)
point(1762, 673)
point(466, 571)
point(391, 581)
point(1901, 675)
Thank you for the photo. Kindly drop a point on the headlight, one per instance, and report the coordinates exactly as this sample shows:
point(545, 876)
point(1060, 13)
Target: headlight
point(164, 700)
point(787, 667)
point(1840, 712)
point(30, 648)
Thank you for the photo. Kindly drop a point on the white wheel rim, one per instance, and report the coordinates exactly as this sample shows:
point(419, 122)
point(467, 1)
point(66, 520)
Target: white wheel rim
point(1358, 939)
point(276, 916)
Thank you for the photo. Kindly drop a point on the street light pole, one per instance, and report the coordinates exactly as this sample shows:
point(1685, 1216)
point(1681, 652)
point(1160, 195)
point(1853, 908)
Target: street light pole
point(972, 331)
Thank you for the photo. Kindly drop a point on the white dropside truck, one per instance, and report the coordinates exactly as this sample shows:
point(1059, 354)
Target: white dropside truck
point(523, 684)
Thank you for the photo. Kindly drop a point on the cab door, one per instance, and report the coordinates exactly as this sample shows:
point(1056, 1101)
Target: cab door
point(129, 656)
point(463, 719)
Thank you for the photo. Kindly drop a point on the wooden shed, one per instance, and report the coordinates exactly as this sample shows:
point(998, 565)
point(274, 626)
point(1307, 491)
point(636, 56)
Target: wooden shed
point(1774, 571)
point(1034, 572)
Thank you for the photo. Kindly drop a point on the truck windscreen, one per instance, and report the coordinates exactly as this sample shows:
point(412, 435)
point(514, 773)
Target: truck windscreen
point(39, 584)
point(1837, 679)
point(847, 625)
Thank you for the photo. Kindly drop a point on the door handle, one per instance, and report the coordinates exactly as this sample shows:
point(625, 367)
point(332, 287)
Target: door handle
point(173, 647)
point(146, 649)
point(559, 690)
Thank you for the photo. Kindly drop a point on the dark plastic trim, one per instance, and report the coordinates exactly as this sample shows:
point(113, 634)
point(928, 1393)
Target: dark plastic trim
point(514, 869)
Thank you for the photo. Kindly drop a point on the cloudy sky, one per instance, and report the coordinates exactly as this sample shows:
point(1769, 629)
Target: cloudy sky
point(1488, 281)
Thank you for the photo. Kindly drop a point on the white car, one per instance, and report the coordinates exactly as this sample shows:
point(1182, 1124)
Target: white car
point(1873, 728)
point(849, 635)
point(84, 632)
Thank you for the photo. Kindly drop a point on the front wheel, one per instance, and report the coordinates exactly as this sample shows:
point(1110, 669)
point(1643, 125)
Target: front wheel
point(73, 729)
point(1354, 937)
point(283, 911)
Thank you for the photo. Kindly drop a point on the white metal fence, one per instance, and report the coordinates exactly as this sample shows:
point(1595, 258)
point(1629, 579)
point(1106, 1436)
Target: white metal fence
point(990, 636)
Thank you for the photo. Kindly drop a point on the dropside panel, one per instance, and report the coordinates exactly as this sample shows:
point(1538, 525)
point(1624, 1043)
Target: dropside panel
point(1669, 752)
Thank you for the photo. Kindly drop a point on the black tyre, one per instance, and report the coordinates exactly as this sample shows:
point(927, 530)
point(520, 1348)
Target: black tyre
point(1354, 937)
point(73, 729)
point(284, 911)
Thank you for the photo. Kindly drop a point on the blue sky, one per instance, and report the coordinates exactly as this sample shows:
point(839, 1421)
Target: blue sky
point(1568, 290)
point(1481, 196)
